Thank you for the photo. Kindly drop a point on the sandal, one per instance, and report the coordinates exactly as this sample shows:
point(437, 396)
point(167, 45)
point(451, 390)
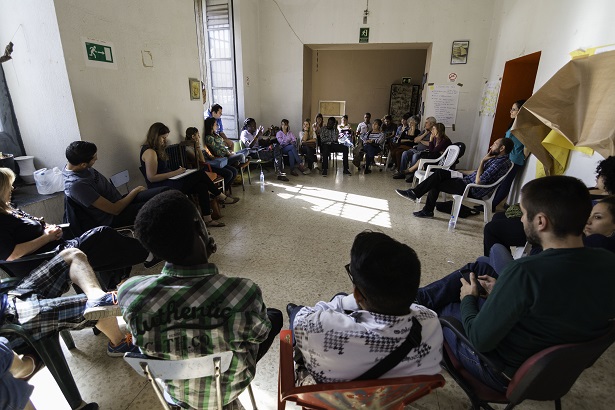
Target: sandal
point(214, 224)
point(37, 364)
point(229, 200)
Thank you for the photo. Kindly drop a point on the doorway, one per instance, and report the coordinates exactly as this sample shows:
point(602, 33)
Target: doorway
point(517, 84)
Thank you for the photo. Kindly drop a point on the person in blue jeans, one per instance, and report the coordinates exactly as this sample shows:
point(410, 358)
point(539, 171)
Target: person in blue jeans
point(538, 301)
point(288, 143)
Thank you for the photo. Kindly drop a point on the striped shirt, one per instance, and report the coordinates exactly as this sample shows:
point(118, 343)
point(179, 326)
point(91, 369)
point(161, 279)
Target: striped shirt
point(194, 311)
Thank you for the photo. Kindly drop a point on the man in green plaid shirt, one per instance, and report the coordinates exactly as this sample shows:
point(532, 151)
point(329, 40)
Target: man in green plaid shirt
point(190, 310)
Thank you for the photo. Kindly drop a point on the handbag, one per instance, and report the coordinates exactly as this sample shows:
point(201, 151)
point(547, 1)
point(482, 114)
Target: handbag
point(413, 340)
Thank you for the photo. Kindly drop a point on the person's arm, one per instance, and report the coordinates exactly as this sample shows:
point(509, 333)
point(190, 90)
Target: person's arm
point(115, 208)
point(150, 159)
point(489, 171)
point(379, 138)
point(420, 137)
point(216, 145)
point(339, 304)
point(503, 309)
point(51, 233)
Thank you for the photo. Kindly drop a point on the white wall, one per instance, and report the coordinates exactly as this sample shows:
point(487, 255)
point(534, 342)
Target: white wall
point(281, 40)
point(554, 27)
point(37, 79)
point(116, 107)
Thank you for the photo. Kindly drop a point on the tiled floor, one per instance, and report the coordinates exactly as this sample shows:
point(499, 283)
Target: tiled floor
point(293, 239)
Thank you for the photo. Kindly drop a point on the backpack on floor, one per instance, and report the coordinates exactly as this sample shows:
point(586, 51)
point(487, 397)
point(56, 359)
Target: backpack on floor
point(447, 208)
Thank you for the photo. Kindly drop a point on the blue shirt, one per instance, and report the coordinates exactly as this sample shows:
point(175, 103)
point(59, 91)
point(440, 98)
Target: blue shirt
point(516, 155)
point(218, 120)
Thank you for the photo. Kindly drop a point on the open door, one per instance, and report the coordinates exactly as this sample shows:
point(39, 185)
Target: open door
point(517, 84)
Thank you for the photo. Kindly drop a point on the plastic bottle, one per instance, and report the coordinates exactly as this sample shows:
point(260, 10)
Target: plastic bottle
point(451, 224)
point(262, 181)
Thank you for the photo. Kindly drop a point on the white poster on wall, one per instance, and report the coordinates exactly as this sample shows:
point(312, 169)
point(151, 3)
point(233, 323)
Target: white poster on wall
point(489, 100)
point(442, 103)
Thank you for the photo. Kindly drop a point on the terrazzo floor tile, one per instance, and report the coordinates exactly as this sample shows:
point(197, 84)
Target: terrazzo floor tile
point(293, 239)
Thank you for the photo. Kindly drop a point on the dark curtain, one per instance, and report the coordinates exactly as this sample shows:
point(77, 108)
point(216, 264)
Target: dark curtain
point(10, 138)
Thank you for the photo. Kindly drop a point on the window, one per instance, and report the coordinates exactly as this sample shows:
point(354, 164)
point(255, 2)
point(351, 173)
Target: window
point(220, 62)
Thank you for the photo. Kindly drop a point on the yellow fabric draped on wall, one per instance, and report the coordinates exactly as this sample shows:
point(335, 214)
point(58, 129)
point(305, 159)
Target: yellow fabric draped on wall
point(559, 148)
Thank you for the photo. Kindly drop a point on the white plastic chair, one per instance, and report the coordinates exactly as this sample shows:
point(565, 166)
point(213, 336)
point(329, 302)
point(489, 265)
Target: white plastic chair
point(486, 202)
point(156, 370)
point(444, 161)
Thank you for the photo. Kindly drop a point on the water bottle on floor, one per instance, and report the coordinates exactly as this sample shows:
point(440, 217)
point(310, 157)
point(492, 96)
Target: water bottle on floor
point(262, 181)
point(451, 224)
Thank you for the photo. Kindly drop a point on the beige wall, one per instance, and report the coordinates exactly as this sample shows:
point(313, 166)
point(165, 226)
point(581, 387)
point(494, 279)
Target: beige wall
point(362, 78)
point(115, 107)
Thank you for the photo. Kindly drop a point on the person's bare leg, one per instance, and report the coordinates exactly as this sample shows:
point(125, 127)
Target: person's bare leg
point(82, 274)
point(21, 368)
point(111, 329)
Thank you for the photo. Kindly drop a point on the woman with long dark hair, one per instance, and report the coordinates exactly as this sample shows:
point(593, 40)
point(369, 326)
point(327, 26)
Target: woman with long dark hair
point(154, 161)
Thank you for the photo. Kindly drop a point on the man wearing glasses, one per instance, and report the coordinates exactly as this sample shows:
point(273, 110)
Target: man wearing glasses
point(346, 338)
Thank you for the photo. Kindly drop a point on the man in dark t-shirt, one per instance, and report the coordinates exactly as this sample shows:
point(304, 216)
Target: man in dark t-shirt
point(562, 295)
point(100, 199)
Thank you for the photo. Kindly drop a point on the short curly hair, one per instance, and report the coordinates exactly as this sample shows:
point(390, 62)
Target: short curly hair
point(165, 226)
point(606, 170)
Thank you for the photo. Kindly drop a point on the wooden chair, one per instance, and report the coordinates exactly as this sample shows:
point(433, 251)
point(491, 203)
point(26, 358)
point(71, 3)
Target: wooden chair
point(382, 394)
point(156, 370)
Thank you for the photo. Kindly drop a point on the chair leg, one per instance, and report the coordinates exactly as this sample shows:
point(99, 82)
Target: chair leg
point(51, 354)
point(487, 211)
point(456, 207)
point(68, 339)
point(243, 184)
point(249, 176)
point(558, 404)
point(252, 397)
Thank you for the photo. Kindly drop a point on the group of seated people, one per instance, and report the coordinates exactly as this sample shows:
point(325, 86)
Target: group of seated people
point(509, 308)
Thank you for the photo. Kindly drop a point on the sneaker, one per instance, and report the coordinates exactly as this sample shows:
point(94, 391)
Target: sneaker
point(423, 214)
point(347, 172)
point(289, 308)
point(406, 193)
point(410, 178)
point(324, 172)
point(283, 178)
point(106, 306)
point(125, 346)
point(150, 264)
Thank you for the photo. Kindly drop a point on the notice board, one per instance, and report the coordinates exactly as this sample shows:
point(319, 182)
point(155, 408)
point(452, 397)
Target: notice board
point(442, 103)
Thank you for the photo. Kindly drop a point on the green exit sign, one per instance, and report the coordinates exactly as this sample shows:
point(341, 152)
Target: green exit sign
point(364, 35)
point(98, 52)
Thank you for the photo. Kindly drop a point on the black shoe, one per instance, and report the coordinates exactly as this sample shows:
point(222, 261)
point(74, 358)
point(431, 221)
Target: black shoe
point(410, 178)
point(423, 214)
point(367, 171)
point(289, 308)
point(398, 176)
point(324, 172)
point(406, 193)
point(150, 264)
point(283, 178)
point(347, 172)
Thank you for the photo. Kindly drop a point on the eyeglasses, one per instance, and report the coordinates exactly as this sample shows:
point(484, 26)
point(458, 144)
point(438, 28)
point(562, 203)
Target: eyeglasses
point(347, 266)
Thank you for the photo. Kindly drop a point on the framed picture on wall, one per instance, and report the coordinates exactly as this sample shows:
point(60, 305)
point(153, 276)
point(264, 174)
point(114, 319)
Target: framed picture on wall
point(459, 52)
point(195, 88)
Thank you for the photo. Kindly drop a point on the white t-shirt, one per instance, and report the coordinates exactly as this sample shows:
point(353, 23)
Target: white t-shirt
point(340, 346)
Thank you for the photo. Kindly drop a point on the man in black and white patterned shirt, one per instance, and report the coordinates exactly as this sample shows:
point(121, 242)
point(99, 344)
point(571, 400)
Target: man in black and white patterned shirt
point(342, 339)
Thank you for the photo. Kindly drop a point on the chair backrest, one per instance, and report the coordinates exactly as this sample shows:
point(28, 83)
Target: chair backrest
point(180, 369)
point(550, 373)
point(393, 393)
point(450, 156)
point(78, 217)
point(121, 178)
point(462, 150)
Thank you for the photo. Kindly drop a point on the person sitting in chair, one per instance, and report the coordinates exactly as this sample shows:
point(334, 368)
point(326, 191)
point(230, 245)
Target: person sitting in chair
point(22, 234)
point(329, 139)
point(190, 309)
point(492, 167)
point(100, 198)
point(561, 295)
point(346, 338)
point(264, 149)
